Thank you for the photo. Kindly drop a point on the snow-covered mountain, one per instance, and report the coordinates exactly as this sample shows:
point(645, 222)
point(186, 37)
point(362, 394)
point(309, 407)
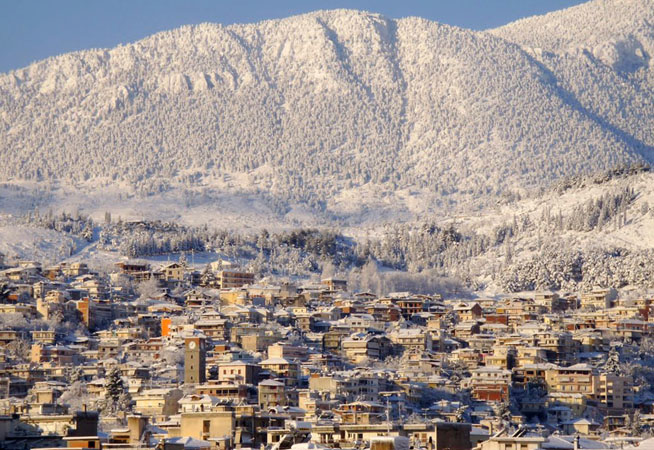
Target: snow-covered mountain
point(601, 55)
point(342, 110)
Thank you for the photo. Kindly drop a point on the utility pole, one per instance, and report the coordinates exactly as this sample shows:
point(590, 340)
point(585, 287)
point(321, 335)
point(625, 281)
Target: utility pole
point(388, 417)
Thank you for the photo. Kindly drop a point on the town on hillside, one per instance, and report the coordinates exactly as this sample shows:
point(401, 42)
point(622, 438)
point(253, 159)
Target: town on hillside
point(173, 358)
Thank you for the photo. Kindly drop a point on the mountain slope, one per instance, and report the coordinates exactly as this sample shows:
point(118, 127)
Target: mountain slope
point(321, 109)
point(601, 53)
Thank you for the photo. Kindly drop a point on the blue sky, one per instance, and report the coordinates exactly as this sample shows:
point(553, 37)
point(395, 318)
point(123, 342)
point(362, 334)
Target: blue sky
point(35, 29)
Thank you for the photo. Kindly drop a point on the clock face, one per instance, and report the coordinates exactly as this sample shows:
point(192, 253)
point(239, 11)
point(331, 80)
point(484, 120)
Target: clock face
point(191, 345)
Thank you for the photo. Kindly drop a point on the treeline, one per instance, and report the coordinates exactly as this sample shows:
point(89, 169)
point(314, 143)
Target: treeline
point(298, 252)
point(75, 224)
point(142, 239)
point(608, 209)
point(580, 270)
point(582, 180)
point(600, 212)
point(428, 246)
point(306, 250)
point(446, 251)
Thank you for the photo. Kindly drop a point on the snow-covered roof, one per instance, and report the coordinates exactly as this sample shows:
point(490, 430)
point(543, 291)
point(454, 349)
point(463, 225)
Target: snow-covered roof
point(190, 443)
point(307, 446)
point(194, 398)
point(579, 366)
point(580, 421)
point(271, 383)
point(276, 361)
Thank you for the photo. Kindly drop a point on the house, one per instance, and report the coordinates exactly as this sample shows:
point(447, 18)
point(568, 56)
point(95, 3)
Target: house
point(550, 300)
point(334, 284)
point(582, 426)
point(239, 371)
point(614, 394)
point(172, 272)
point(468, 311)
point(228, 279)
point(132, 267)
point(281, 367)
point(412, 339)
point(360, 347)
point(272, 393)
point(576, 379)
point(597, 299)
point(157, 402)
point(361, 413)
point(490, 384)
point(225, 391)
point(408, 304)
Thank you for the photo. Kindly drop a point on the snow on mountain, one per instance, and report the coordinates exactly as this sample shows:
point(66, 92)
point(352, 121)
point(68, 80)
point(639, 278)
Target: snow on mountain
point(340, 111)
point(616, 32)
point(601, 55)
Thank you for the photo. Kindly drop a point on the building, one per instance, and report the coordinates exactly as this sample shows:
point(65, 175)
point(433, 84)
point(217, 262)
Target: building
point(334, 284)
point(412, 339)
point(227, 279)
point(239, 371)
point(491, 384)
point(597, 299)
point(614, 394)
point(194, 360)
point(158, 401)
point(172, 272)
point(576, 379)
point(272, 393)
point(361, 413)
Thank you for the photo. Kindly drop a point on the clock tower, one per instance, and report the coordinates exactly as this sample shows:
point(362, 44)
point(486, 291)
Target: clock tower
point(194, 360)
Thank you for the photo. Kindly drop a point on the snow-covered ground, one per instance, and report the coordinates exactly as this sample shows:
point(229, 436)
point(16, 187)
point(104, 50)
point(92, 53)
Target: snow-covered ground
point(637, 233)
point(250, 214)
point(37, 244)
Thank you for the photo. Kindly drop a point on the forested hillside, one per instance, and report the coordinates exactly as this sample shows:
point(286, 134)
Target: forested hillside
point(585, 231)
point(335, 108)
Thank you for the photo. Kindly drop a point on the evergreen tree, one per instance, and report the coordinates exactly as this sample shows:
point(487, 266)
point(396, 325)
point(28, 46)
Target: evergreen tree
point(636, 425)
point(612, 364)
point(182, 259)
point(114, 388)
point(76, 374)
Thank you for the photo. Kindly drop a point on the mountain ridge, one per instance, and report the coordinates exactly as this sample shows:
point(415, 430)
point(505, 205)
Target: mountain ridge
point(315, 109)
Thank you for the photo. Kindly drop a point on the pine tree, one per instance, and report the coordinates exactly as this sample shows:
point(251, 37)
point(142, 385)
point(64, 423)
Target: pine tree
point(636, 426)
point(612, 364)
point(76, 374)
point(114, 388)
